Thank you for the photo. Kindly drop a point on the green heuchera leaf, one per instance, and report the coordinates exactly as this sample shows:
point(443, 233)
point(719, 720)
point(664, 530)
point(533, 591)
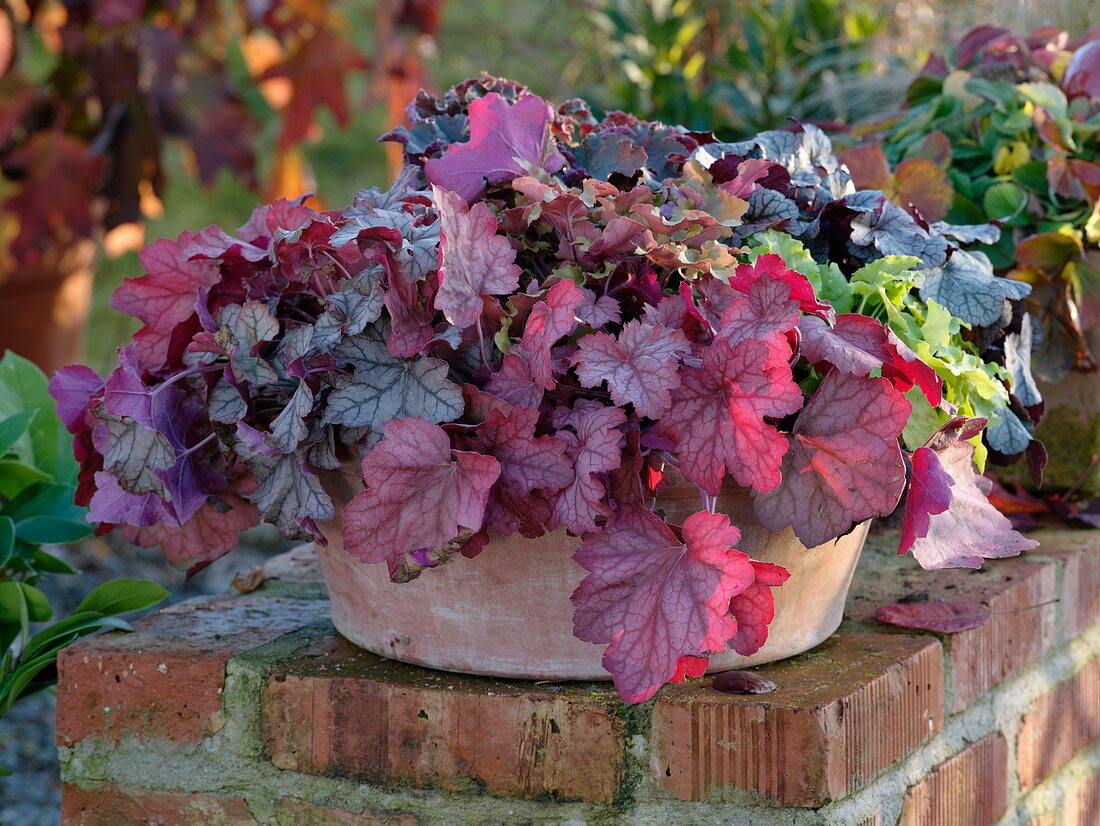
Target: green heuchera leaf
point(885, 290)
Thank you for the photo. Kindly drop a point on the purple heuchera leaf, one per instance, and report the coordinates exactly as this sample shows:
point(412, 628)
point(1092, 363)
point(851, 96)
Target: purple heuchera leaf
point(125, 392)
point(593, 443)
point(949, 521)
point(504, 141)
point(473, 260)
point(528, 463)
point(73, 388)
point(655, 599)
point(844, 465)
point(514, 384)
point(942, 617)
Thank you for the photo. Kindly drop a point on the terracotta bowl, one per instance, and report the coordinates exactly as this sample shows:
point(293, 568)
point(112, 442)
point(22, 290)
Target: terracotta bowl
point(507, 612)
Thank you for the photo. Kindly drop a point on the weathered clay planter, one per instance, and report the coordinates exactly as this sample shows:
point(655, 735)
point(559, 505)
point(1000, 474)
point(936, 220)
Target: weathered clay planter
point(46, 308)
point(507, 612)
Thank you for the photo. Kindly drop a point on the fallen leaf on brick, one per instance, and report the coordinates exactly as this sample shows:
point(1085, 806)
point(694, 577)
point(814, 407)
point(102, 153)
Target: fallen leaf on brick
point(742, 682)
point(943, 617)
point(248, 582)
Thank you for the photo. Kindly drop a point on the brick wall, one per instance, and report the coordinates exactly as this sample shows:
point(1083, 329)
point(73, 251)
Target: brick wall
point(251, 710)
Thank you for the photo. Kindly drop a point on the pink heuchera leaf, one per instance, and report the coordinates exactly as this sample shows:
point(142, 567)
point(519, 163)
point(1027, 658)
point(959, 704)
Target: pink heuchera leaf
point(844, 465)
point(949, 521)
point(687, 667)
point(473, 260)
point(754, 608)
point(655, 599)
point(549, 320)
point(942, 617)
point(165, 296)
point(774, 267)
point(905, 370)
point(420, 493)
point(640, 367)
point(527, 463)
point(765, 313)
point(593, 445)
point(598, 312)
point(504, 140)
point(716, 421)
point(208, 535)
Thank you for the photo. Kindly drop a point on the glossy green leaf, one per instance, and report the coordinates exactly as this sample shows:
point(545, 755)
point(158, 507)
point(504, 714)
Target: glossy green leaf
point(18, 600)
point(50, 564)
point(7, 540)
point(15, 477)
point(123, 595)
point(1004, 201)
point(13, 427)
point(49, 530)
point(24, 387)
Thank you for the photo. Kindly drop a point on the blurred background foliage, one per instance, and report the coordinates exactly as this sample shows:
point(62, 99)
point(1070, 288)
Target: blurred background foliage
point(732, 66)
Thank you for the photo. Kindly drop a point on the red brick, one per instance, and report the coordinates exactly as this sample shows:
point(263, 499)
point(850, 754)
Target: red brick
point(165, 679)
point(105, 804)
point(291, 812)
point(341, 711)
point(971, 788)
point(1079, 553)
point(842, 714)
point(1021, 593)
point(1057, 725)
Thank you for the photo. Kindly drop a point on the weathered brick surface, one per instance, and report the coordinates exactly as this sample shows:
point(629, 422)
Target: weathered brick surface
point(1058, 725)
point(1021, 593)
point(971, 787)
point(341, 711)
point(164, 680)
point(105, 804)
point(291, 812)
point(841, 715)
point(1079, 553)
point(1082, 804)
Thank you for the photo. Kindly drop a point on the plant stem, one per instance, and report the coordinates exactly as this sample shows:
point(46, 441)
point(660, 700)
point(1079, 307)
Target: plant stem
point(481, 343)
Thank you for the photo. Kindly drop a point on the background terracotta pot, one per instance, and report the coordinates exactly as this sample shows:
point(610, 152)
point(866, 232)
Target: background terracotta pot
point(507, 612)
point(45, 307)
point(1070, 428)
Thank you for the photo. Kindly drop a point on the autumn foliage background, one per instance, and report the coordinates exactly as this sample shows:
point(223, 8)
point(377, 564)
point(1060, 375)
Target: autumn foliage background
point(183, 114)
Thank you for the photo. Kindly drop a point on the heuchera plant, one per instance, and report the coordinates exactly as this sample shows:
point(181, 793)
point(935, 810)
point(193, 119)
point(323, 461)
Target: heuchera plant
point(540, 319)
point(1008, 132)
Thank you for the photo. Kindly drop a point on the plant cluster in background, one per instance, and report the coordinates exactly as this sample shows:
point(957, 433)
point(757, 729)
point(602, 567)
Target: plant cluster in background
point(37, 473)
point(1009, 131)
point(93, 94)
point(737, 68)
point(542, 320)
